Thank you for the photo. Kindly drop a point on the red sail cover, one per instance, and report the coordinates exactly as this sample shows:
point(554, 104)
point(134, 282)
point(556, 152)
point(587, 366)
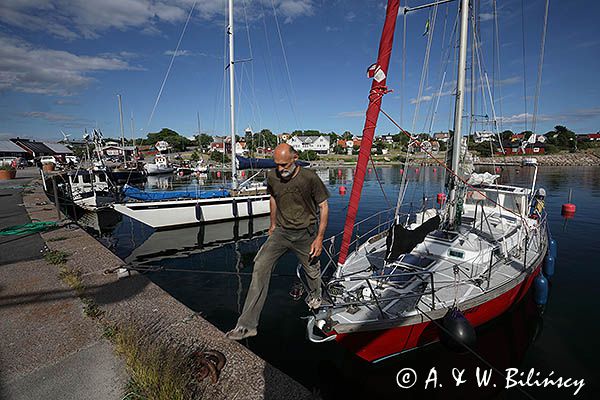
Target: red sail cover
point(378, 72)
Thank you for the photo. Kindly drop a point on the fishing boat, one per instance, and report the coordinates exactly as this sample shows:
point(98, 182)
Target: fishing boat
point(89, 190)
point(176, 209)
point(160, 166)
point(400, 281)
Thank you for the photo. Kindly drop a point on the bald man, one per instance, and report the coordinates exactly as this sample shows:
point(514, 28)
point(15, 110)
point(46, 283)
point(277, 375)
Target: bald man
point(298, 204)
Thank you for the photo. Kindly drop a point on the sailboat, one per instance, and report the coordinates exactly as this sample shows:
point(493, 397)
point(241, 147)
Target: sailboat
point(176, 209)
point(409, 281)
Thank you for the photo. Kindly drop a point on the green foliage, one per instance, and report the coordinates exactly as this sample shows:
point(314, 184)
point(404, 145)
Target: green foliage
point(309, 155)
point(177, 142)
point(56, 257)
point(204, 140)
point(347, 135)
point(264, 138)
point(550, 149)
point(339, 149)
point(506, 135)
point(219, 157)
point(483, 148)
point(562, 138)
point(195, 156)
point(6, 167)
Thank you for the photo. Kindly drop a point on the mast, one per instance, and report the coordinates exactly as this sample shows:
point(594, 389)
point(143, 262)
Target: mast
point(121, 121)
point(458, 110)
point(231, 97)
point(378, 72)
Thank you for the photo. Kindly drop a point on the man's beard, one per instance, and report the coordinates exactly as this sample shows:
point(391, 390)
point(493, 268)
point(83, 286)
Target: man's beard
point(286, 175)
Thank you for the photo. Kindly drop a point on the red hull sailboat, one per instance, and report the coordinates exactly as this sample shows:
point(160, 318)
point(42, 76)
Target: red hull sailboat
point(412, 279)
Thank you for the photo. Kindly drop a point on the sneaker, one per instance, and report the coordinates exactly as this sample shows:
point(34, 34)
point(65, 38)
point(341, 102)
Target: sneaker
point(240, 332)
point(314, 303)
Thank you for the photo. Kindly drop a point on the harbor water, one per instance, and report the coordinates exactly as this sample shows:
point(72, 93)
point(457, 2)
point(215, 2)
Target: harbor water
point(208, 269)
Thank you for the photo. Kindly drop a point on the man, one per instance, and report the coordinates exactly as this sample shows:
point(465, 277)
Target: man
point(297, 195)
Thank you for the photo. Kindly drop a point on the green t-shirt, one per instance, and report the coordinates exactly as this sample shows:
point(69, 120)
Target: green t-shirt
point(297, 199)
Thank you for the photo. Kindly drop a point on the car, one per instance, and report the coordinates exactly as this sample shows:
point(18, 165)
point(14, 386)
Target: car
point(48, 160)
point(7, 160)
point(72, 159)
point(22, 163)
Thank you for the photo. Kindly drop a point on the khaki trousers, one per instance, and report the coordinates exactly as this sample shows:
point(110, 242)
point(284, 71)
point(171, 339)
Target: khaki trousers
point(279, 242)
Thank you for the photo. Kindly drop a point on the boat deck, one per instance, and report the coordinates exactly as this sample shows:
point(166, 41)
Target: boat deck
point(484, 256)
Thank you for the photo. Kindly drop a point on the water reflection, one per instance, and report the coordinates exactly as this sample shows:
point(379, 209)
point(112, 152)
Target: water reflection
point(210, 274)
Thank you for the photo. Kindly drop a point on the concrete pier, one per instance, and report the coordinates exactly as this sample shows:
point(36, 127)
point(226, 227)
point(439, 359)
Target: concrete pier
point(50, 347)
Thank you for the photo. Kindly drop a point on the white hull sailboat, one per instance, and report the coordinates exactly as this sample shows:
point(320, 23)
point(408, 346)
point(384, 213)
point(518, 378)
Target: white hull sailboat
point(242, 201)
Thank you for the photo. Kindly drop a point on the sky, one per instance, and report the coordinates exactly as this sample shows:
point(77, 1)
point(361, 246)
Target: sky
point(301, 65)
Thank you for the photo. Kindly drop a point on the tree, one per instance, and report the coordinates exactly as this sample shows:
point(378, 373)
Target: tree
point(308, 155)
point(219, 157)
point(204, 141)
point(195, 156)
point(506, 135)
point(177, 142)
point(562, 138)
point(347, 135)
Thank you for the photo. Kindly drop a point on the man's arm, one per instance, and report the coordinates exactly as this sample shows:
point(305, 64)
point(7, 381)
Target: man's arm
point(317, 245)
point(273, 205)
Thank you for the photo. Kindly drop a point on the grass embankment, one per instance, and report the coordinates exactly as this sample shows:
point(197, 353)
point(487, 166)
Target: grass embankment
point(156, 371)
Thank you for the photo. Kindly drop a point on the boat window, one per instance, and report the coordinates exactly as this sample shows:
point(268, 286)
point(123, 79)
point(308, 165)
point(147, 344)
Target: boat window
point(101, 177)
point(443, 235)
point(87, 179)
point(456, 253)
point(417, 261)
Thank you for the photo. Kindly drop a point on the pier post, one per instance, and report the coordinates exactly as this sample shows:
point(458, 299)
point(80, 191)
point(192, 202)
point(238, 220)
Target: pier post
point(56, 201)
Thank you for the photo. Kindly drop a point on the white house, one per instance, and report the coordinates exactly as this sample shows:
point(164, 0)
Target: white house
point(481, 137)
point(320, 144)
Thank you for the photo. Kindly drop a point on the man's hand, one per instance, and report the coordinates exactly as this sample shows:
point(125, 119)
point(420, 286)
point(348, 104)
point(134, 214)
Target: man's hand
point(271, 229)
point(316, 247)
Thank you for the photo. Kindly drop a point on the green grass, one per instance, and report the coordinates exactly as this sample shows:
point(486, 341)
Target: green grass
point(72, 277)
point(157, 371)
point(56, 257)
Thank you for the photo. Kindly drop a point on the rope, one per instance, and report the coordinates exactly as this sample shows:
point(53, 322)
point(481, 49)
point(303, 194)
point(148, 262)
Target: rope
point(524, 67)
point(162, 86)
point(380, 184)
point(287, 67)
point(538, 87)
point(32, 227)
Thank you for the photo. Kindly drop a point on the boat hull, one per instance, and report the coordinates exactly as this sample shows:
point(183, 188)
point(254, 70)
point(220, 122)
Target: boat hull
point(377, 345)
point(177, 213)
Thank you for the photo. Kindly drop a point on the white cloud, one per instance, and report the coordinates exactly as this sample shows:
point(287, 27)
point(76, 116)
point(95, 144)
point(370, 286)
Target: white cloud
point(52, 117)
point(179, 53)
point(29, 69)
point(70, 19)
point(349, 17)
point(351, 114)
point(576, 115)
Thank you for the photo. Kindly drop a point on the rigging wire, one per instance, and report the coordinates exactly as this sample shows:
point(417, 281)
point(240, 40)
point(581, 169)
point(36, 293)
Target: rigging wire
point(538, 87)
point(402, 98)
point(425, 68)
point(292, 98)
point(453, 173)
point(524, 65)
point(162, 86)
point(272, 69)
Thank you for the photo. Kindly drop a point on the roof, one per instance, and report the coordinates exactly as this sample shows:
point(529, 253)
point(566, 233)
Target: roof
point(6, 146)
point(58, 148)
point(38, 148)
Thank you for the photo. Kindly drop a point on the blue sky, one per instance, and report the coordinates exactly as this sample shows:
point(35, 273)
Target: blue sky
point(62, 63)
